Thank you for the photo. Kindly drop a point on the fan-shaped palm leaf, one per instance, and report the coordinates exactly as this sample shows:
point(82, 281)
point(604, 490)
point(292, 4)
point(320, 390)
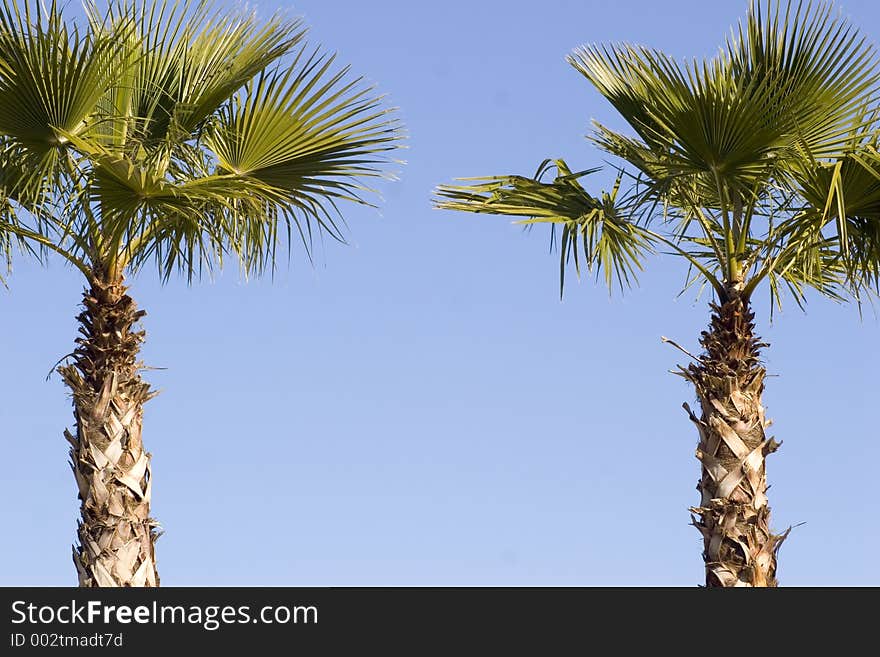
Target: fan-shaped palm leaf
point(310, 135)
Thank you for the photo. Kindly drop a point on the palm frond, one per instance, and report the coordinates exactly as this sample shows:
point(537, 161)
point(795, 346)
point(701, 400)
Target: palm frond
point(844, 194)
point(816, 73)
point(594, 231)
point(311, 136)
point(53, 77)
point(187, 59)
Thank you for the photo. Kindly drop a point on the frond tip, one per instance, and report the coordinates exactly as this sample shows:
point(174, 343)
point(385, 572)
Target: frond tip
point(596, 231)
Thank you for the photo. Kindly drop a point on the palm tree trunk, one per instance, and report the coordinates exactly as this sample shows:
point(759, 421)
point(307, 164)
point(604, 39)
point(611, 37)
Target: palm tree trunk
point(734, 514)
point(116, 533)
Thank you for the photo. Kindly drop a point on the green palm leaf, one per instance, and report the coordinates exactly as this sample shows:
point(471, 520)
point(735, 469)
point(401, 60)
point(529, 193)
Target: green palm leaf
point(51, 81)
point(35, 102)
point(594, 231)
point(310, 135)
point(188, 60)
point(786, 85)
point(845, 192)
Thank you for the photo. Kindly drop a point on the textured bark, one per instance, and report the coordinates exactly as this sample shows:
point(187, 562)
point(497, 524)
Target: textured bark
point(116, 533)
point(734, 514)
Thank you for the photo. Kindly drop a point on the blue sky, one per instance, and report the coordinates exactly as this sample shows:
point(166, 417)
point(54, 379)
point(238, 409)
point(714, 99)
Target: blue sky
point(419, 407)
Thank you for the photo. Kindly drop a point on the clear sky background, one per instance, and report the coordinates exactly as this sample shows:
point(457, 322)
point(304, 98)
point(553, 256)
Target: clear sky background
point(419, 407)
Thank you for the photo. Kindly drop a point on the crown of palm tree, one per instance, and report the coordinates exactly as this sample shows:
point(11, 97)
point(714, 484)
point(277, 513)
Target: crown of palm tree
point(759, 163)
point(167, 132)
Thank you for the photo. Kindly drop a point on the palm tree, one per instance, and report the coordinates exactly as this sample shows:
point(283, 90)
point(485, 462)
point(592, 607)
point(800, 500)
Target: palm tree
point(757, 166)
point(175, 134)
